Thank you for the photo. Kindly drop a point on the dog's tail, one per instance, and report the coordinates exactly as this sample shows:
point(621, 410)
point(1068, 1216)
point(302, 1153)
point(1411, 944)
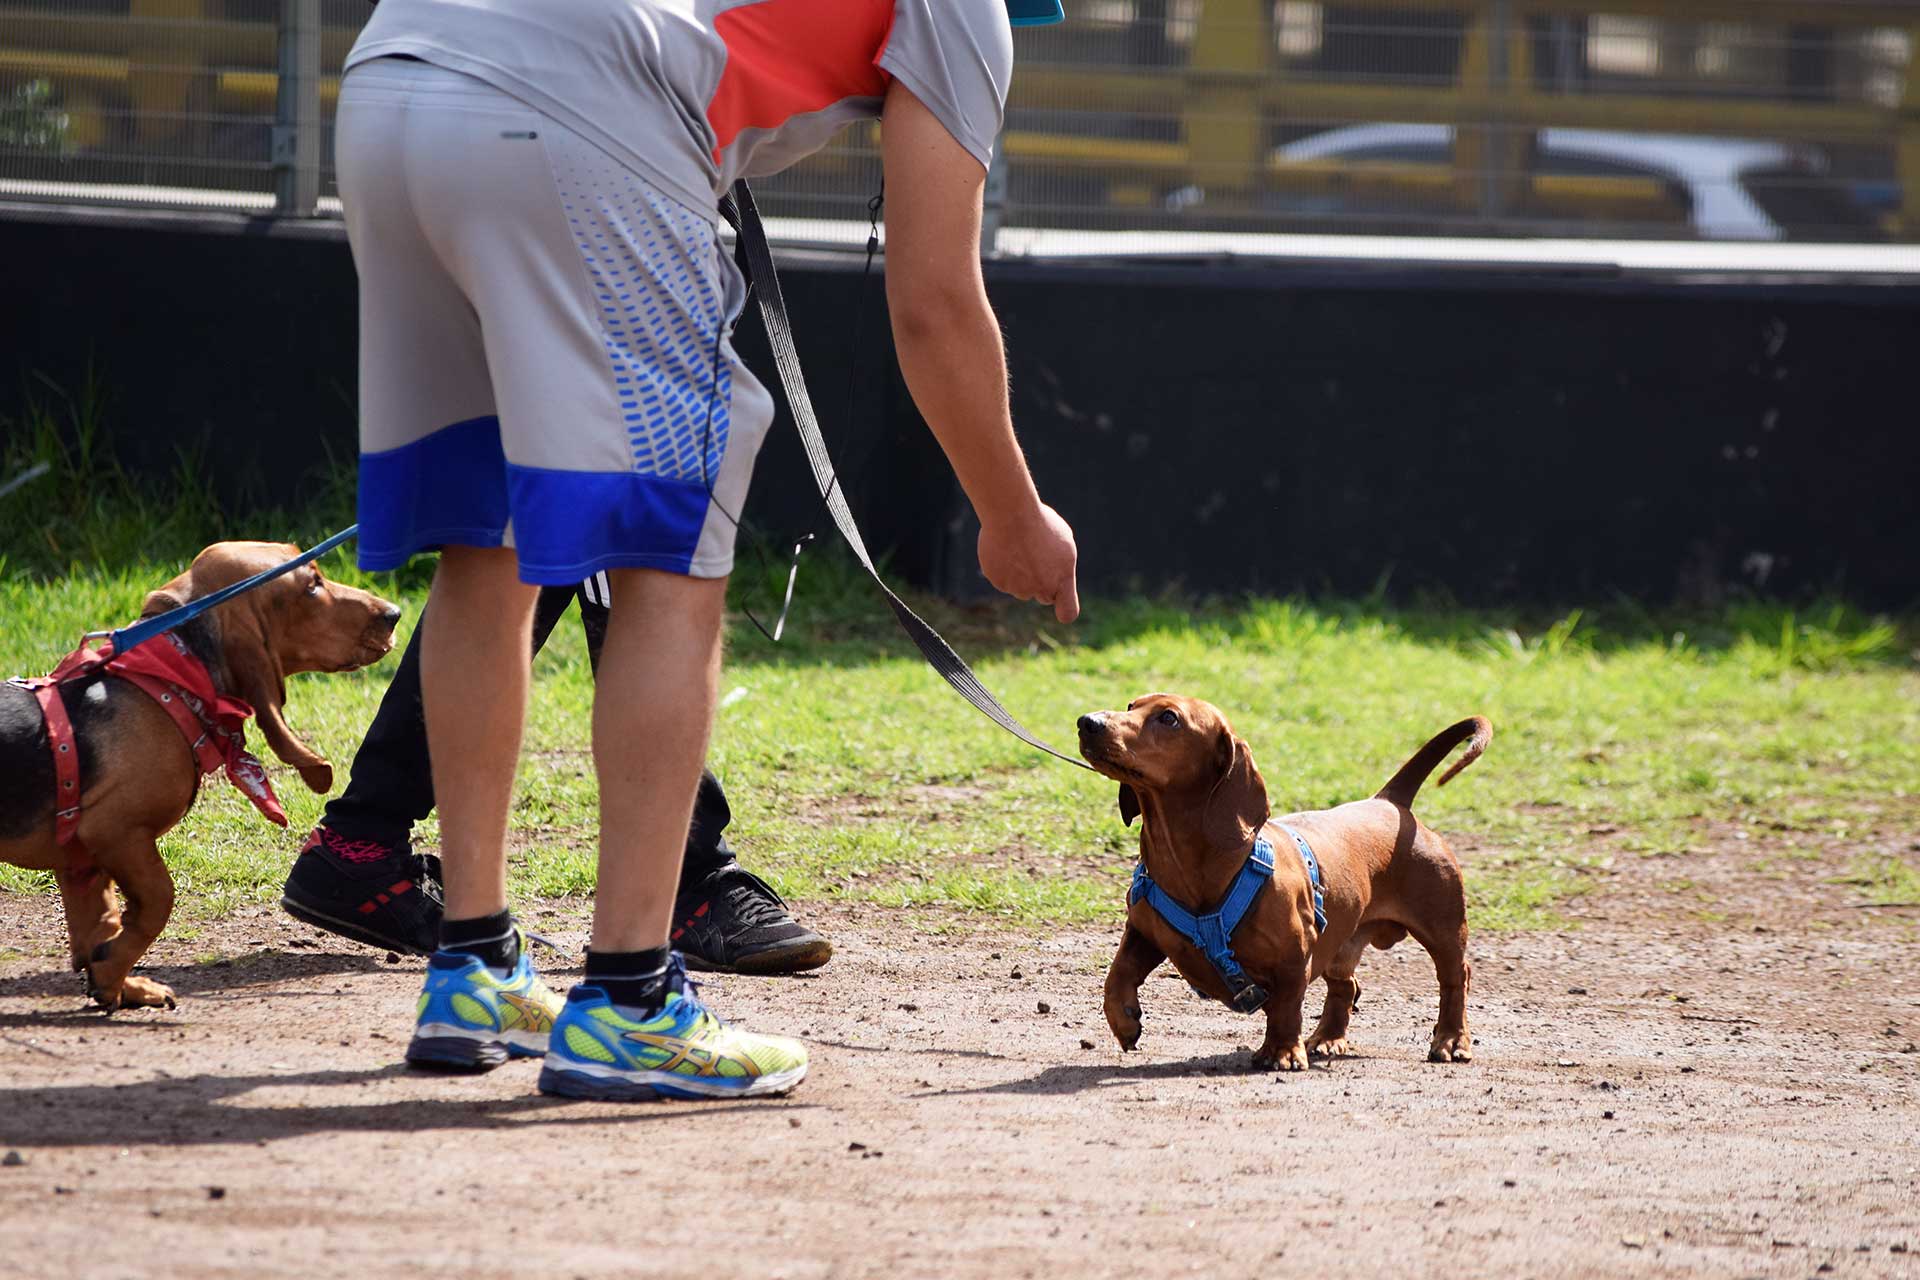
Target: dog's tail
point(1475, 731)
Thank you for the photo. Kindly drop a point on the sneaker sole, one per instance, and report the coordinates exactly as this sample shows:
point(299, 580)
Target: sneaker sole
point(584, 1081)
point(346, 928)
point(796, 957)
point(443, 1048)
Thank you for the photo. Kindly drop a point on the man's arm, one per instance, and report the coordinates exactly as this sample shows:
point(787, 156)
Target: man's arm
point(949, 347)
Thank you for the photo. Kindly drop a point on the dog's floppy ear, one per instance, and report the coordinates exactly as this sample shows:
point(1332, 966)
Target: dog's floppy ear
point(169, 597)
point(1237, 805)
point(259, 678)
point(1129, 805)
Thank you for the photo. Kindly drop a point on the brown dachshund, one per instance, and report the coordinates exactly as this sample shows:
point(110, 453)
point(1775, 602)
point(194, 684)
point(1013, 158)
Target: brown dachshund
point(1203, 803)
point(138, 775)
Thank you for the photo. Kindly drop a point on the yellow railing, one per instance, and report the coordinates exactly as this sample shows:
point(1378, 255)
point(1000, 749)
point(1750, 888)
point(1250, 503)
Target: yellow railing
point(1235, 89)
point(171, 63)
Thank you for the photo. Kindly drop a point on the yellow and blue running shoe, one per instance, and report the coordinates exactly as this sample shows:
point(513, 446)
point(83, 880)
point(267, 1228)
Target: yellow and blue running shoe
point(471, 1019)
point(596, 1051)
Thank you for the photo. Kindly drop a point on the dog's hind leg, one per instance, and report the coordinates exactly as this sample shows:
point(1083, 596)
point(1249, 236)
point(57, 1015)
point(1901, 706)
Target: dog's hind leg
point(1451, 1041)
point(93, 916)
point(148, 887)
point(1136, 958)
point(1343, 993)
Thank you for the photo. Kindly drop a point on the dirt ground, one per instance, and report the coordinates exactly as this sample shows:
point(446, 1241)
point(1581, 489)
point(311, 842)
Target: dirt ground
point(1715, 1080)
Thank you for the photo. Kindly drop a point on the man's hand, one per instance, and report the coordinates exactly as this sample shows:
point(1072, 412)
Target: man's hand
point(1034, 559)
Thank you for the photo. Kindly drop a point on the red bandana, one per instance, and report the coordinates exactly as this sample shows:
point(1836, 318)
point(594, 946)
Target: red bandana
point(213, 724)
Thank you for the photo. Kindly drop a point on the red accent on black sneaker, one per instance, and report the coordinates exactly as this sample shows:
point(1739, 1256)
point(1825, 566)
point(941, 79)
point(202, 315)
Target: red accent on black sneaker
point(701, 910)
point(399, 887)
point(677, 932)
point(368, 908)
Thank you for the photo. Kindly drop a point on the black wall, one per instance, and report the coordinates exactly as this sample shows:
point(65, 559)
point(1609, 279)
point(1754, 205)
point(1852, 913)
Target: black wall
point(1497, 436)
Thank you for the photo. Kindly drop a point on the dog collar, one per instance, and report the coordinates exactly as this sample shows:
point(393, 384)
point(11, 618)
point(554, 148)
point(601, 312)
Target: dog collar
point(1213, 933)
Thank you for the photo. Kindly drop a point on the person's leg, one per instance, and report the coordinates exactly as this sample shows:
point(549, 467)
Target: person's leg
point(424, 156)
point(474, 673)
point(633, 1029)
point(357, 875)
point(652, 713)
point(724, 917)
point(390, 785)
point(482, 1001)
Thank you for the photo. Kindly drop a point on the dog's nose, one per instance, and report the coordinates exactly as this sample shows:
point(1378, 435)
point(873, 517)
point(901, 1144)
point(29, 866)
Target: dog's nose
point(390, 615)
point(1093, 722)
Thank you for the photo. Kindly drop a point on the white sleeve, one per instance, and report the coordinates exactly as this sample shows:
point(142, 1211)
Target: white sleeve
point(956, 56)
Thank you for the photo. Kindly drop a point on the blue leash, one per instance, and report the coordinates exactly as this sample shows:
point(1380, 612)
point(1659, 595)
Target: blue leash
point(126, 638)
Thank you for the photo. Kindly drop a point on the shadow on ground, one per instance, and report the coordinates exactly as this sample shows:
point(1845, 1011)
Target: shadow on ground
point(208, 1109)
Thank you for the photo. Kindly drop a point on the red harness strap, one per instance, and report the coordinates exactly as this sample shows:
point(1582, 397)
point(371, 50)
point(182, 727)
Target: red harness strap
point(66, 764)
point(212, 724)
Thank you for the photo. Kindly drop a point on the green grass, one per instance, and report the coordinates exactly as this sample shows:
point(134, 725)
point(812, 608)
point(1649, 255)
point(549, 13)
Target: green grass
point(1885, 880)
point(856, 774)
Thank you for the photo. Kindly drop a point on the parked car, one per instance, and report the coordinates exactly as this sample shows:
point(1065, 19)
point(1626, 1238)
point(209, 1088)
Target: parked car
point(1728, 188)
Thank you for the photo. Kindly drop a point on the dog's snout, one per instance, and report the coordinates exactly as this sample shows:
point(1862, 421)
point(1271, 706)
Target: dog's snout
point(1093, 722)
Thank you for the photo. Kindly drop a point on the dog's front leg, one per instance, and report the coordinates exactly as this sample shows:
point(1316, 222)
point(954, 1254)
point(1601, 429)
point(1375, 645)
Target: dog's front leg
point(148, 886)
point(92, 915)
point(1282, 1050)
point(1136, 958)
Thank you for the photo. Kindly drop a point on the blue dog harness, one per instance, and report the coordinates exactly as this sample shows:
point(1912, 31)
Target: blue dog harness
point(1213, 933)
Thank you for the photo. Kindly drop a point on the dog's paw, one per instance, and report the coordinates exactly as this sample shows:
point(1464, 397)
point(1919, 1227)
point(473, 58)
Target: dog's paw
point(1454, 1046)
point(1125, 1025)
point(1291, 1058)
point(1330, 1047)
point(133, 993)
point(143, 993)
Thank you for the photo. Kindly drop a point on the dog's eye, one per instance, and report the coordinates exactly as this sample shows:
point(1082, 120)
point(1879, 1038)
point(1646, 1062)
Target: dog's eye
point(1168, 719)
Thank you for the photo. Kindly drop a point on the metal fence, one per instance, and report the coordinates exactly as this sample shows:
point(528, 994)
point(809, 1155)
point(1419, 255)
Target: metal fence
point(1722, 119)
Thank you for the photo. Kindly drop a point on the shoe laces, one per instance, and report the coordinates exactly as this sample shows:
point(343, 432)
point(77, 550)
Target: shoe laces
point(678, 979)
point(751, 899)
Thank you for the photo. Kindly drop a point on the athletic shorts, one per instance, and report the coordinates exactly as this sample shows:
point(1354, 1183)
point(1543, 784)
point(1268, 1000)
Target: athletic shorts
point(546, 359)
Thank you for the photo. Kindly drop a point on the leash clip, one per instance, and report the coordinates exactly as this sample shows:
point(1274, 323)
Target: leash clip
point(1249, 998)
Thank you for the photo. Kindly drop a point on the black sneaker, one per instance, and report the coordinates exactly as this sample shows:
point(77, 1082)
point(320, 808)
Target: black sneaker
point(731, 920)
point(384, 895)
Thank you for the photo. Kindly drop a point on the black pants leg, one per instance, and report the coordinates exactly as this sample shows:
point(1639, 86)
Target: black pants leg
point(390, 786)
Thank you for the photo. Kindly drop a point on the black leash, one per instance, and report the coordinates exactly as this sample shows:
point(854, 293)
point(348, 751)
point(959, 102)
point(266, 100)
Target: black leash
point(740, 211)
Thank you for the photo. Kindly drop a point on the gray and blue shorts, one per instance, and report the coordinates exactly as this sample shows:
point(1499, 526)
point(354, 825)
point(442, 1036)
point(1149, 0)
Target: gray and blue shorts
point(546, 355)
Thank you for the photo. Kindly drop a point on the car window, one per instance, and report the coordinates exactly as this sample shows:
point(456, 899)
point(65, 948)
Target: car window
point(1399, 153)
point(1810, 206)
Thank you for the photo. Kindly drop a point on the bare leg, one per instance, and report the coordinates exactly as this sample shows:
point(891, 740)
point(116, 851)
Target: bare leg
point(474, 672)
point(1282, 1049)
point(652, 714)
point(1136, 958)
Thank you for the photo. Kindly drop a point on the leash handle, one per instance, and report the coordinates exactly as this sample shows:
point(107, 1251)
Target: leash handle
point(745, 217)
point(125, 638)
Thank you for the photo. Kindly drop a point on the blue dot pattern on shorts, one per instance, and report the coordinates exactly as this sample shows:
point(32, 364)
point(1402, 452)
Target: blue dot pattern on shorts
point(652, 263)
